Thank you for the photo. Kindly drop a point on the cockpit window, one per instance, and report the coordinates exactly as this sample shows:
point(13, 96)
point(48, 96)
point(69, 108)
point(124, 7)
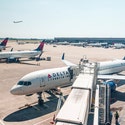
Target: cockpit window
point(25, 83)
point(20, 83)
point(29, 83)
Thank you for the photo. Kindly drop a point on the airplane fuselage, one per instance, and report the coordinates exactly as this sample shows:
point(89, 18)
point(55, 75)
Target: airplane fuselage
point(111, 67)
point(2, 47)
point(19, 54)
point(43, 80)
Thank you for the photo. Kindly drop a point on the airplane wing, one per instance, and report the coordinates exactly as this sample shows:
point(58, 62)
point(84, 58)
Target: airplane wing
point(115, 77)
point(67, 62)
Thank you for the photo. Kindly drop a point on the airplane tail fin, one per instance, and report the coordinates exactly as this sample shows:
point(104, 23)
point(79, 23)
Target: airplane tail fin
point(63, 56)
point(11, 50)
point(40, 47)
point(123, 58)
point(4, 42)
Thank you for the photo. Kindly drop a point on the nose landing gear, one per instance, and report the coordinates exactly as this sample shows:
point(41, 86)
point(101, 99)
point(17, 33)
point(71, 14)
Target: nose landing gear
point(40, 100)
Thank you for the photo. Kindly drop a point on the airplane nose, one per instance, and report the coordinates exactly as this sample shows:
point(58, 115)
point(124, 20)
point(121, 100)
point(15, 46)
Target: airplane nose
point(15, 90)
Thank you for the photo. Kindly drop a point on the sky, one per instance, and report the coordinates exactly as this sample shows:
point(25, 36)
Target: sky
point(62, 18)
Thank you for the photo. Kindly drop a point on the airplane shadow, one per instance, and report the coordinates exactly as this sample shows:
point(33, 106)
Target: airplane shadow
point(21, 62)
point(33, 111)
point(117, 96)
point(120, 83)
point(25, 63)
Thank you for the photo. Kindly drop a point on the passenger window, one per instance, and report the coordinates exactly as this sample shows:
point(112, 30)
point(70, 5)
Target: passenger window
point(25, 83)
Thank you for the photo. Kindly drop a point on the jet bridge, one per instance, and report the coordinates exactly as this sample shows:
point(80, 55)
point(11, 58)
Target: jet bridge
point(78, 104)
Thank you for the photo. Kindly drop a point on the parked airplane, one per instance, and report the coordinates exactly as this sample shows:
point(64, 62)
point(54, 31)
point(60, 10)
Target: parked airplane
point(63, 43)
point(77, 44)
point(3, 44)
point(118, 45)
point(43, 80)
point(98, 44)
point(16, 55)
point(108, 72)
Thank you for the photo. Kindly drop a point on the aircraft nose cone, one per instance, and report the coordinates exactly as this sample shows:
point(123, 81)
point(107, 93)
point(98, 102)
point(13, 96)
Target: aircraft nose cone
point(15, 90)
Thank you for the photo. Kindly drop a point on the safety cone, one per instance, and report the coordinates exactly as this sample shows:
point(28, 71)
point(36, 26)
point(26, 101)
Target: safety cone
point(53, 122)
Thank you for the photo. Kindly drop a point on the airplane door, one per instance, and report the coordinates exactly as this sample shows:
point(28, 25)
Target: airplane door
point(71, 73)
point(42, 82)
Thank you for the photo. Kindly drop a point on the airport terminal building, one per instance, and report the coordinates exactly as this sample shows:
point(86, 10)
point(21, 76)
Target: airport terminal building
point(88, 39)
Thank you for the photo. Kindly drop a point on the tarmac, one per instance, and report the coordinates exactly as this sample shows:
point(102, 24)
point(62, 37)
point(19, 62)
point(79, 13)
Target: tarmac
point(18, 110)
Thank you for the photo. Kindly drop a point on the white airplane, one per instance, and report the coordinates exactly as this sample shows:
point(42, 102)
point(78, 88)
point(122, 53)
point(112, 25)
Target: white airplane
point(43, 80)
point(118, 45)
point(16, 55)
point(3, 44)
point(17, 21)
point(77, 44)
point(63, 43)
point(107, 71)
point(98, 44)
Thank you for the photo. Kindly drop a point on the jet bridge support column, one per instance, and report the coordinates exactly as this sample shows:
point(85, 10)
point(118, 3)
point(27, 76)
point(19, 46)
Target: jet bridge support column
point(102, 105)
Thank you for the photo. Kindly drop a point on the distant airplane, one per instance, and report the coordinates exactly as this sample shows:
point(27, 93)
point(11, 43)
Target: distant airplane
point(17, 21)
point(16, 55)
point(119, 45)
point(98, 44)
point(77, 44)
point(63, 43)
point(3, 44)
point(43, 80)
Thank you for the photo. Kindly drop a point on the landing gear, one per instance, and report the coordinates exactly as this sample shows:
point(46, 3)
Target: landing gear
point(40, 100)
point(15, 60)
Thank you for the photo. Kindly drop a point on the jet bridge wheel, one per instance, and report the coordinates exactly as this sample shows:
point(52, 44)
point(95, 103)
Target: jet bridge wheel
point(40, 100)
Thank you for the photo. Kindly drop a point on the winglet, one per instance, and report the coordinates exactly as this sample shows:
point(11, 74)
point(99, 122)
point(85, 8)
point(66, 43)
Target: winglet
point(63, 56)
point(67, 62)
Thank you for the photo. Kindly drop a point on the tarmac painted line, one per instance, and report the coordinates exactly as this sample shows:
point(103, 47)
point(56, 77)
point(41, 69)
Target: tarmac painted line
point(1, 122)
point(42, 121)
